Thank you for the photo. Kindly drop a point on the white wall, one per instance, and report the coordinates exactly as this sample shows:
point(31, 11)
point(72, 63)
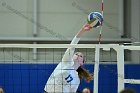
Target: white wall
point(13, 23)
point(64, 17)
point(135, 28)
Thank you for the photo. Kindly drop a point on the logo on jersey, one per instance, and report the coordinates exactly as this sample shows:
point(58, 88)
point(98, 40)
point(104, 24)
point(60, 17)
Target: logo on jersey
point(69, 78)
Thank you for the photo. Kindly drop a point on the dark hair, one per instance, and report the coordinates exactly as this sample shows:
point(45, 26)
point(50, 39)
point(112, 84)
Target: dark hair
point(128, 90)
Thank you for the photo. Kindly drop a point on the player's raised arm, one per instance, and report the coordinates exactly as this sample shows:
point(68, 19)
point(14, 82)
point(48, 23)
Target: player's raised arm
point(94, 20)
point(69, 52)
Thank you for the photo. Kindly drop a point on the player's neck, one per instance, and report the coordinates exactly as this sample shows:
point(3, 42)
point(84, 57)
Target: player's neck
point(76, 65)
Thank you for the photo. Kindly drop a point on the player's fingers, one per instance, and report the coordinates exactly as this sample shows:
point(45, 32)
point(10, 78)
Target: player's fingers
point(87, 27)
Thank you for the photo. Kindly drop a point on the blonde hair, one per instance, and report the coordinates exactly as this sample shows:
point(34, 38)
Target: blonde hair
point(1, 90)
point(84, 74)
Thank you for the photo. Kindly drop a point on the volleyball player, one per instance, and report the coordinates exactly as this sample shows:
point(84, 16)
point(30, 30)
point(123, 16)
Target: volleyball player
point(66, 76)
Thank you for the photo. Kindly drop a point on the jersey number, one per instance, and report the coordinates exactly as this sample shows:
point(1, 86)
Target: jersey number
point(69, 78)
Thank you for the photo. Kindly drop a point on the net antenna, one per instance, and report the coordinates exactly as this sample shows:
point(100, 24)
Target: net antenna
point(102, 11)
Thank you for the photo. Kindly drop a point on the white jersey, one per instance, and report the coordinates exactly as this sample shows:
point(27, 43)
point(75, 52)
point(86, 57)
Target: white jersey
point(64, 78)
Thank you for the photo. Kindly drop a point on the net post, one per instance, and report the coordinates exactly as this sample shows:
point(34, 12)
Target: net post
point(120, 66)
point(96, 68)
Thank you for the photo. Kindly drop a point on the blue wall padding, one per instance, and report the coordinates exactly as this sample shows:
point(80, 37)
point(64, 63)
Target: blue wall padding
point(31, 78)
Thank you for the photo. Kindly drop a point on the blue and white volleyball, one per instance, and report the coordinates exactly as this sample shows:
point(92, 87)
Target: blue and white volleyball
point(95, 19)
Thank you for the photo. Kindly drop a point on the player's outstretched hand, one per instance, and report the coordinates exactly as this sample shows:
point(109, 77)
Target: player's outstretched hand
point(87, 27)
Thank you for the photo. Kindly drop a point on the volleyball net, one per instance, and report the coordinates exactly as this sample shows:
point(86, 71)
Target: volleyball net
point(39, 54)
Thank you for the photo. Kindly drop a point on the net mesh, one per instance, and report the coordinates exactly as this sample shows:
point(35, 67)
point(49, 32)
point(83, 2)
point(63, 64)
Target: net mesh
point(22, 73)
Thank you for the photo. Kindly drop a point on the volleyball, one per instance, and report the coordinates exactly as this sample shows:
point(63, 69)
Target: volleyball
point(95, 19)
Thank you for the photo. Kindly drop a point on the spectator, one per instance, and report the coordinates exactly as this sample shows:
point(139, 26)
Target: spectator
point(1, 90)
point(70, 70)
point(128, 90)
point(86, 90)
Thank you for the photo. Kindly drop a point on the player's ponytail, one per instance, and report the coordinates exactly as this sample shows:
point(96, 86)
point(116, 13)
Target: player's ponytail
point(84, 74)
